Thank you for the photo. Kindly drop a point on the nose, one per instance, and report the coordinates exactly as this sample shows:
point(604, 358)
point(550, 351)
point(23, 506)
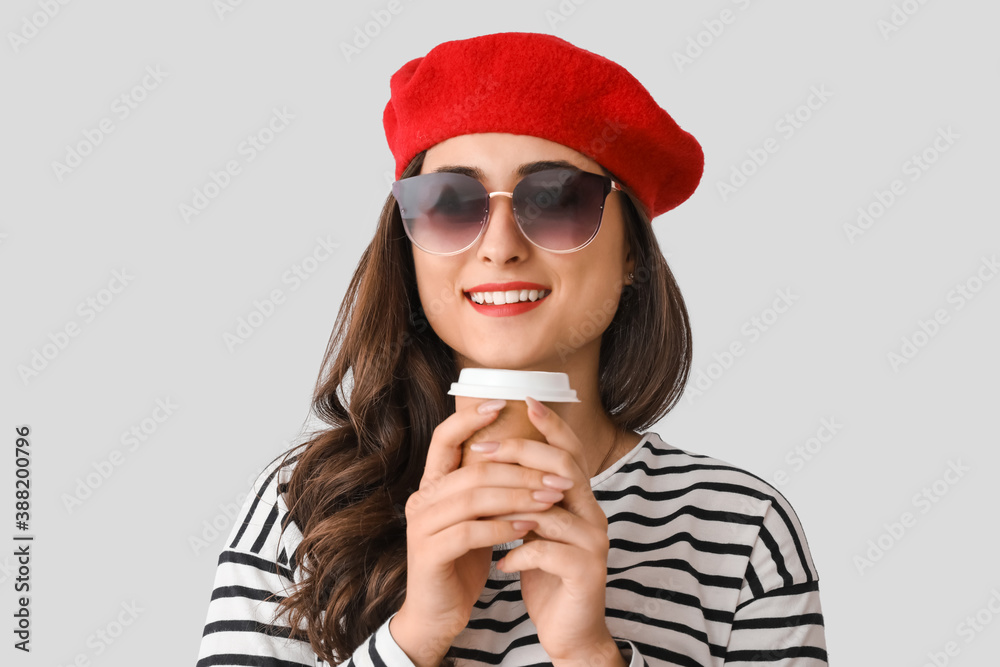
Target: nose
point(502, 240)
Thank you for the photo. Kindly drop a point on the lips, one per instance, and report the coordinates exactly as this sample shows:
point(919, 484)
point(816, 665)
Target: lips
point(492, 298)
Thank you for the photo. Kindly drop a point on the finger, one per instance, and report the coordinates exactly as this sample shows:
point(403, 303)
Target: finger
point(559, 525)
point(549, 459)
point(473, 504)
point(488, 474)
point(444, 454)
point(556, 431)
point(458, 540)
point(575, 566)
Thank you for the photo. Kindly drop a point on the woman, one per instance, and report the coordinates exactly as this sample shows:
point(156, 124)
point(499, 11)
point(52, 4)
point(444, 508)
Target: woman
point(520, 158)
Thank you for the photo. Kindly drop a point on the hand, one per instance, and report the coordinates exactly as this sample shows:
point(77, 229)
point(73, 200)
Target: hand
point(449, 545)
point(563, 574)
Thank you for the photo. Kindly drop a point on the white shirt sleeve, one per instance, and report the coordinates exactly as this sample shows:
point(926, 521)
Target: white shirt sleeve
point(255, 571)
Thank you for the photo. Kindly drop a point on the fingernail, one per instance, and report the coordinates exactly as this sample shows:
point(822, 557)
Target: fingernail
point(484, 446)
point(557, 482)
point(547, 496)
point(536, 407)
point(523, 525)
point(491, 406)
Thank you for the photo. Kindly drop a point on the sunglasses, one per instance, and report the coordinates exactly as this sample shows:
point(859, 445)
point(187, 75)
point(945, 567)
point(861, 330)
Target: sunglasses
point(558, 210)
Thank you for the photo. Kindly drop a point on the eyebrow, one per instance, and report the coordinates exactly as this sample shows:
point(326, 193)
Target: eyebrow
point(520, 172)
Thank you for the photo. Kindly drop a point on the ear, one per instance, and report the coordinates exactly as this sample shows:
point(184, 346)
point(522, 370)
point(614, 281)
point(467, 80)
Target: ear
point(629, 263)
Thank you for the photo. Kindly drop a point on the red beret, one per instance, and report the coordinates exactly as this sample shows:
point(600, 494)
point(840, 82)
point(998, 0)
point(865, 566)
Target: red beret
point(543, 86)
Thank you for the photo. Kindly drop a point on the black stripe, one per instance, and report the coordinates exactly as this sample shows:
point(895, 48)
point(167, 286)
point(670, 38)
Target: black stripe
point(639, 464)
point(265, 529)
point(686, 599)
point(684, 536)
point(753, 581)
point(673, 451)
point(687, 510)
point(775, 654)
point(496, 625)
point(796, 589)
point(493, 658)
point(636, 616)
point(246, 592)
point(253, 507)
point(249, 660)
point(240, 625)
point(782, 622)
point(373, 653)
point(666, 655)
point(240, 558)
point(287, 519)
point(717, 580)
point(779, 560)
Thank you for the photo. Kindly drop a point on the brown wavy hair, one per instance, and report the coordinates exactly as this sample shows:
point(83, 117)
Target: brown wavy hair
point(382, 389)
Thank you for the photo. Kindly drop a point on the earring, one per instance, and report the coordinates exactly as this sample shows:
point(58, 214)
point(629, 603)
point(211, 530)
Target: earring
point(630, 277)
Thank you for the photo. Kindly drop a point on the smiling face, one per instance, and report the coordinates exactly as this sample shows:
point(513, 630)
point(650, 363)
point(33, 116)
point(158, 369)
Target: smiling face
point(560, 330)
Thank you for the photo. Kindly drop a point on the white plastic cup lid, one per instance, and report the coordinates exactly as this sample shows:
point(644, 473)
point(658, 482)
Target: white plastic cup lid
point(514, 385)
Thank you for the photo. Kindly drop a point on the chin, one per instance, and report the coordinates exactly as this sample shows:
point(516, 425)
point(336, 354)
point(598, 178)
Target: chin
point(495, 357)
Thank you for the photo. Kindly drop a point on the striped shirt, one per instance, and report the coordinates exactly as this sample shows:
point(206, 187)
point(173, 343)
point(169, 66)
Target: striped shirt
point(708, 565)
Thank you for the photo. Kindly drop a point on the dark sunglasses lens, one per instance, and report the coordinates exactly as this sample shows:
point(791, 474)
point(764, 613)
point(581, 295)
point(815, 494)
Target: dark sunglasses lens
point(441, 212)
point(560, 209)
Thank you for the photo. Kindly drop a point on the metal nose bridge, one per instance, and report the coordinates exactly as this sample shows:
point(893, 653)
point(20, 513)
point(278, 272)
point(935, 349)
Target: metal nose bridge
point(505, 194)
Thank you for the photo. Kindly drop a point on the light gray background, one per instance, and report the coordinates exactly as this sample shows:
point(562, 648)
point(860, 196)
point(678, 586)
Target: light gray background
point(327, 174)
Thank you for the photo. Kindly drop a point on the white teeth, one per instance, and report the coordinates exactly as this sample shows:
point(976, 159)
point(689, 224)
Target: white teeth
point(509, 296)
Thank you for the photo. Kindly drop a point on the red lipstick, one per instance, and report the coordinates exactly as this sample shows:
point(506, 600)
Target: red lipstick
point(506, 309)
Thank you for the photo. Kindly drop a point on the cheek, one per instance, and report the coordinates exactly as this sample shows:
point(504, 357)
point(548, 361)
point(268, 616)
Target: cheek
point(593, 305)
point(436, 291)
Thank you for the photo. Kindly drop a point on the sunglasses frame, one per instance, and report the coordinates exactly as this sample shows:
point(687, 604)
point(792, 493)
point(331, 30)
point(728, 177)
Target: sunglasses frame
point(615, 186)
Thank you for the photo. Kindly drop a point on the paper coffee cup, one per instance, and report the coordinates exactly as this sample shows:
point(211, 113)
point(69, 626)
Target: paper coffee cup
point(478, 385)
